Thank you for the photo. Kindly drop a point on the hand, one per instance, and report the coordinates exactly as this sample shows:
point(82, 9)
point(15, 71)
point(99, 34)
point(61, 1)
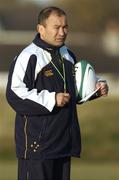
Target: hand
point(103, 88)
point(62, 99)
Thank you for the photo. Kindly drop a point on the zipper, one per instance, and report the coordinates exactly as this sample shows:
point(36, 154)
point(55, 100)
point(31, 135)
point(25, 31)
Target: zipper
point(60, 74)
point(27, 175)
point(26, 138)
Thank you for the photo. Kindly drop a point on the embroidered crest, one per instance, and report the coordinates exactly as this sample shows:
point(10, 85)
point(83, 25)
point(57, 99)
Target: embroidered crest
point(48, 73)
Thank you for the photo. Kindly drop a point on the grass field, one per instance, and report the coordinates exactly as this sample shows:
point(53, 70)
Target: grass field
point(99, 122)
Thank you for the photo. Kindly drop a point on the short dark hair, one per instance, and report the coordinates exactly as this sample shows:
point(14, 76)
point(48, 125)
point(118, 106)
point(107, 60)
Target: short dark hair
point(46, 12)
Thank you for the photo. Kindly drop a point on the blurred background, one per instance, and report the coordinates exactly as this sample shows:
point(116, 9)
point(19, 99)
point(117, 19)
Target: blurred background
point(94, 36)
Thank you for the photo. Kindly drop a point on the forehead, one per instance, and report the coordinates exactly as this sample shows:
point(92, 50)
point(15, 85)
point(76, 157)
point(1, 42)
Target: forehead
point(54, 19)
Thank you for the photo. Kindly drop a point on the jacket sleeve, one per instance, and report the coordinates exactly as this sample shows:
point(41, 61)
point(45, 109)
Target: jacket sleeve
point(20, 91)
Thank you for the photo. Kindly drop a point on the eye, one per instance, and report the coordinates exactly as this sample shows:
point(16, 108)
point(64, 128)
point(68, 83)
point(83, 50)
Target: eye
point(56, 27)
point(65, 27)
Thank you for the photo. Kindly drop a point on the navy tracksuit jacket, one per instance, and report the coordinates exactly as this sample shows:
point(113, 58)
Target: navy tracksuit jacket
point(42, 130)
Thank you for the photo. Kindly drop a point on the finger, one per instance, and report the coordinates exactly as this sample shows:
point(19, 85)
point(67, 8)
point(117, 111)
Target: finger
point(59, 99)
point(98, 85)
point(103, 91)
point(104, 87)
point(66, 99)
point(67, 96)
point(62, 99)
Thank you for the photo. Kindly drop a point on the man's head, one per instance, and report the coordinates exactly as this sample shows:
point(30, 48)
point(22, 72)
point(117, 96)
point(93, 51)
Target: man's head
point(52, 26)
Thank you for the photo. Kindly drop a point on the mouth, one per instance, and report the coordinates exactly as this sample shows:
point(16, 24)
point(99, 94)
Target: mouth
point(60, 39)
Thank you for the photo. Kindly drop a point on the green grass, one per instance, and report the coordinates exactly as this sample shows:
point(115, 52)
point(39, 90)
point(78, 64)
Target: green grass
point(8, 170)
point(95, 171)
point(99, 122)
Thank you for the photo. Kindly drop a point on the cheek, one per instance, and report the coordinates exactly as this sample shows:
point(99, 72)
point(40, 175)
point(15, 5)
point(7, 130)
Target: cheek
point(53, 34)
point(49, 35)
point(46, 35)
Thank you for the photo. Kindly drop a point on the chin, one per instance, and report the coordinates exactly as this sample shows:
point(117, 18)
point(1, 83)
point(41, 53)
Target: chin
point(59, 44)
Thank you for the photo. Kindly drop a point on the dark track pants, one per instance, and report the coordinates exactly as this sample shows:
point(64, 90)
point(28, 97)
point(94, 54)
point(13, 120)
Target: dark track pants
point(57, 169)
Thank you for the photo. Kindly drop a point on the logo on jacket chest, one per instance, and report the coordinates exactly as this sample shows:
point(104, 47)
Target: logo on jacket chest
point(48, 73)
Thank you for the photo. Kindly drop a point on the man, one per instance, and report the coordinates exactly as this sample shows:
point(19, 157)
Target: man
point(42, 92)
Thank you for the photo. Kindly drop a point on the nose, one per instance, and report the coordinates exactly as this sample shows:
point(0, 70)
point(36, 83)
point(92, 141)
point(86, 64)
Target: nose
point(61, 31)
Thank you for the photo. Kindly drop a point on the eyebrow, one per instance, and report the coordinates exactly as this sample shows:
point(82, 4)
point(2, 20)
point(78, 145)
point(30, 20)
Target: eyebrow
point(60, 25)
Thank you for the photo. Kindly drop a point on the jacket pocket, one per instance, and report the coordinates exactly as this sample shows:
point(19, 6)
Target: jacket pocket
point(36, 127)
point(43, 130)
point(26, 136)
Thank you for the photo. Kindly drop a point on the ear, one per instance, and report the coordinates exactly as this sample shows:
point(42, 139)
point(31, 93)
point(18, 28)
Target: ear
point(40, 28)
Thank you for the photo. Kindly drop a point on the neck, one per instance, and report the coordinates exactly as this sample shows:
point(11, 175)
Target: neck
point(41, 43)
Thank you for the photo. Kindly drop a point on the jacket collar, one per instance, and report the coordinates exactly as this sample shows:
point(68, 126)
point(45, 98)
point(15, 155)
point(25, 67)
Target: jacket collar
point(44, 45)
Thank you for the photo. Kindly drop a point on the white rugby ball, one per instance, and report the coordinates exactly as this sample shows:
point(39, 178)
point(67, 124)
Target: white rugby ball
point(85, 80)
